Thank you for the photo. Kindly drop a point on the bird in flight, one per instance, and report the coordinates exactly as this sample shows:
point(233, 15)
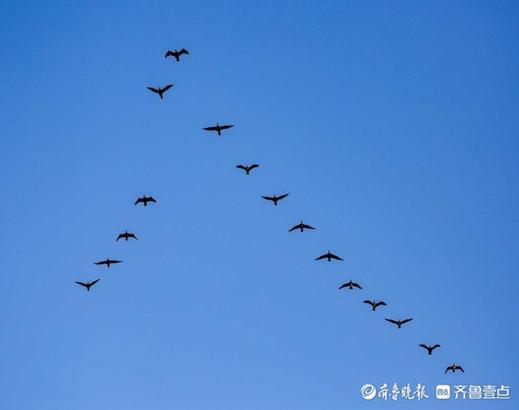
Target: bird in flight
point(399, 323)
point(107, 262)
point(374, 305)
point(247, 168)
point(275, 198)
point(218, 128)
point(126, 235)
point(453, 368)
point(161, 90)
point(351, 285)
point(301, 226)
point(88, 285)
point(429, 348)
point(329, 256)
point(144, 200)
point(176, 53)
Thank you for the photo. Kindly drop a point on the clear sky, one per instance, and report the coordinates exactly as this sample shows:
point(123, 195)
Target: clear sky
point(394, 127)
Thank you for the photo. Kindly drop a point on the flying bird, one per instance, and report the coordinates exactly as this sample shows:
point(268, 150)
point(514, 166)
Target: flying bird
point(218, 128)
point(399, 323)
point(126, 235)
point(161, 90)
point(429, 348)
point(144, 200)
point(301, 226)
point(247, 168)
point(351, 285)
point(453, 368)
point(88, 285)
point(275, 198)
point(107, 262)
point(374, 305)
point(176, 53)
point(329, 256)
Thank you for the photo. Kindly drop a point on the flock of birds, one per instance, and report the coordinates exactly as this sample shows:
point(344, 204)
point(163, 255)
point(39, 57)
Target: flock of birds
point(328, 256)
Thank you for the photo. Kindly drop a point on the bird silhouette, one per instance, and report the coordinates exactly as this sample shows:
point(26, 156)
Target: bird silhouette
point(453, 368)
point(176, 53)
point(107, 262)
point(374, 305)
point(351, 285)
point(275, 198)
point(329, 256)
point(399, 323)
point(161, 90)
point(126, 235)
point(429, 348)
point(218, 128)
point(247, 168)
point(301, 226)
point(144, 200)
point(88, 285)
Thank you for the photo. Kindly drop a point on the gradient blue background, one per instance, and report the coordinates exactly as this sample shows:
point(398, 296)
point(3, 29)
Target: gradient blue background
point(393, 125)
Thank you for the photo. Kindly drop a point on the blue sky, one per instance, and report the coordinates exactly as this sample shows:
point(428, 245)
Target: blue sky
point(394, 127)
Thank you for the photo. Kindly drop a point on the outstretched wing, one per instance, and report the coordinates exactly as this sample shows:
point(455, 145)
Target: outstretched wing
point(449, 368)
point(293, 228)
point(183, 51)
point(225, 127)
point(406, 320)
point(169, 53)
point(253, 166)
point(282, 196)
point(268, 198)
point(335, 257)
point(321, 257)
point(434, 347)
point(132, 235)
point(166, 88)
point(153, 89)
point(344, 285)
point(461, 368)
point(121, 235)
point(381, 303)
point(212, 128)
point(100, 263)
point(392, 321)
point(151, 199)
point(424, 346)
point(139, 200)
point(82, 284)
point(369, 302)
point(94, 282)
point(356, 285)
point(307, 226)
point(241, 167)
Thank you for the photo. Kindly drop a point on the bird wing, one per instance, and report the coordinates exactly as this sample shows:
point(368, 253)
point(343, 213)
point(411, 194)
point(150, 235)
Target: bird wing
point(293, 228)
point(424, 346)
point(132, 235)
point(121, 235)
point(241, 167)
point(268, 198)
point(226, 127)
point(100, 263)
point(183, 51)
point(392, 321)
point(253, 166)
point(461, 368)
point(153, 89)
point(166, 88)
point(282, 196)
point(138, 201)
point(449, 368)
point(82, 284)
point(335, 257)
point(169, 53)
point(356, 285)
point(307, 226)
point(369, 302)
point(94, 282)
point(381, 303)
point(434, 347)
point(321, 257)
point(151, 199)
point(212, 128)
point(406, 320)
point(344, 285)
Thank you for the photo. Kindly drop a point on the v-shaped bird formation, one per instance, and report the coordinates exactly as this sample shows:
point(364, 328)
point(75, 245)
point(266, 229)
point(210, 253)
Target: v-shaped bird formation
point(218, 128)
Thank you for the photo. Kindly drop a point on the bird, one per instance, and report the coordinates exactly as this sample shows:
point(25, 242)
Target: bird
point(454, 367)
point(399, 323)
point(218, 128)
point(429, 348)
point(161, 90)
point(88, 285)
point(328, 255)
point(107, 262)
point(275, 198)
point(144, 200)
point(351, 285)
point(374, 305)
point(301, 226)
point(247, 168)
point(126, 235)
point(176, 53)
